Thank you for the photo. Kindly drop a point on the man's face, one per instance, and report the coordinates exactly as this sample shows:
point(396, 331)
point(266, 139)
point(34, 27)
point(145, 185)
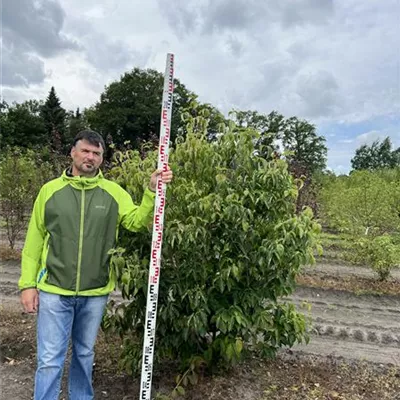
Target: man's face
point(86, 158)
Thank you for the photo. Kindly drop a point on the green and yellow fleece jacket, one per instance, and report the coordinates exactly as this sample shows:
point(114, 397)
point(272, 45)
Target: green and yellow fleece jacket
point(74, 224)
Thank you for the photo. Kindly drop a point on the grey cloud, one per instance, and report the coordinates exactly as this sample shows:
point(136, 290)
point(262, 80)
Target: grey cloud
point(235, 46)
point(101, 51)
point(107, 55)
point(301, 51)
point(275, 76)
point(36, 26)
point(300, 12)
point(210, 16)
point(30, 30)
point(269, 83)
point(319, 94)
point(21, 69)
point(182, 18)
point(233, 14)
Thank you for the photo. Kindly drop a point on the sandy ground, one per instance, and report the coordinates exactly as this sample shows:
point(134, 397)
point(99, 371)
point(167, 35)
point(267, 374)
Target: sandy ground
point(354, 327)
point(345, 326)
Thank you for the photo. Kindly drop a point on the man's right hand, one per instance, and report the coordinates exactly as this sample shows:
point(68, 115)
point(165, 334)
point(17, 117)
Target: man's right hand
point(30, 300)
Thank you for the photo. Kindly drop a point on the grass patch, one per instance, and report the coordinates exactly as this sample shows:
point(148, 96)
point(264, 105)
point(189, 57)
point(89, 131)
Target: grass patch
point(340, 248)
point(336, 241)
point(336, 246)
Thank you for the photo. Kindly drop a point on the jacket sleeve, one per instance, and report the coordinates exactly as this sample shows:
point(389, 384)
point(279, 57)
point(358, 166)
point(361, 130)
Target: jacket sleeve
point(134, 217)
point(33, 247)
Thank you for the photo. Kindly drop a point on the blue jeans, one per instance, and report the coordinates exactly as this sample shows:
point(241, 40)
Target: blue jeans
point(59, 319)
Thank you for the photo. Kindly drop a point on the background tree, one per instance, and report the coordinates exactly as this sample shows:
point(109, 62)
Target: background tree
point(19, 185)
point(5, 129)
point(206, 113)
point(129, 109)
point(21, 125)
point(364, 207)
point(75, 122)
point(378, 155)
point(364, 202)
point(306, 153)
point(296, 140)
point(54, 117)
point(270, 128)
point(307, 149)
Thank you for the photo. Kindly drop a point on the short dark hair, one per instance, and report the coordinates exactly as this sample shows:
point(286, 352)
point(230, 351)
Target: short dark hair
point(92, 137)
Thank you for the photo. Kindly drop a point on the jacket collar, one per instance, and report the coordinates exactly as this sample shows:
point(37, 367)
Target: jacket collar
point(80, 182)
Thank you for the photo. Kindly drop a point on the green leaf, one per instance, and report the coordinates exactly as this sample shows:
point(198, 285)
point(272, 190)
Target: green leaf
point(180, 390)
point(125, 279)
point(193, 378)
point(238, 346)
point(229, 352)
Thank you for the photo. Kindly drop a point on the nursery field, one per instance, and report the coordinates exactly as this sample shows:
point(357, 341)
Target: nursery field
point(354, 351)
point(253, 203)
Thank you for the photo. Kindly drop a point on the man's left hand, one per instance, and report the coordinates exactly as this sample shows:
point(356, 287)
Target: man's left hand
point(166, 177)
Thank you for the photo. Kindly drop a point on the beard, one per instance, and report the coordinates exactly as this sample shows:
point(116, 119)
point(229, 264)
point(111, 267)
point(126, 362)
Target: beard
point(87, 169)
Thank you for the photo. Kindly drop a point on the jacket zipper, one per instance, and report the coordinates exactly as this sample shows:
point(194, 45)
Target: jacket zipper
point(78, 270)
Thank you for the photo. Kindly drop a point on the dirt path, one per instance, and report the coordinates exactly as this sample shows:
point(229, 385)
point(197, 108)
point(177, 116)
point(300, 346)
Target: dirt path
point(331, 269)
point(9, 275)
point(16, 381)
point(345, 325)
point(361, 327)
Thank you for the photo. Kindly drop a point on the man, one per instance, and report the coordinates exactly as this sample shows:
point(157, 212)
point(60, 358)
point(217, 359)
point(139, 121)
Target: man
point(65, 273)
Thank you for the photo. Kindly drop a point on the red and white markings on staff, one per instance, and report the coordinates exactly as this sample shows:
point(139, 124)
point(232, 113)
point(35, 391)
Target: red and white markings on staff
point(155, 262)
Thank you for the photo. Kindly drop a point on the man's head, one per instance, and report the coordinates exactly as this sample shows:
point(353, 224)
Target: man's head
point(87, 153)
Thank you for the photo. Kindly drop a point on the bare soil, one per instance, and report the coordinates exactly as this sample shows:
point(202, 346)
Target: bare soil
point(354, 352)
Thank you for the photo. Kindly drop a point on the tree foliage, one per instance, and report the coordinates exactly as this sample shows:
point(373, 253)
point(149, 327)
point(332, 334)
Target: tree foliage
point(270, 127)
point(363, 202)
point(305, 148)
point(215, 119)
point(21, 125)
point(129, 109)
point(20, 180)
point(377, 156)
point(378, 252)
point(75, 122)
point(54, 118)
point(232, 248)
point(296, 139)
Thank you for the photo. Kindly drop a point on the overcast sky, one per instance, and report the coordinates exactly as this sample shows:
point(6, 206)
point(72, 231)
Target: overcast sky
point(333, 62)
